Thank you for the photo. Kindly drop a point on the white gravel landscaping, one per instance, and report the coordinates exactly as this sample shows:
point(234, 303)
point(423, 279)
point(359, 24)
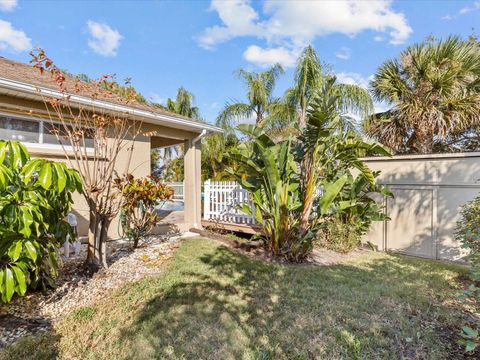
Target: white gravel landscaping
point(36, 312)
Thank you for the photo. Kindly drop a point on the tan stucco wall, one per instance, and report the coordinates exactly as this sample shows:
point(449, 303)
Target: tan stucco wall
point(428, 193)
point(140, 167)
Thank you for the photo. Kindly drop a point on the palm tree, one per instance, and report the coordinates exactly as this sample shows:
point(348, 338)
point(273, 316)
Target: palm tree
point(434, 92)
point(215, 160)
point(260, 99)
point(310, 79)
point(183, 104)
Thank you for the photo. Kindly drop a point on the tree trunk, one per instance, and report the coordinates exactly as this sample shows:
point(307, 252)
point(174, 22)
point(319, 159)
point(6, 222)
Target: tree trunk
point(422, 140)
point(104, 225)
point(308, 191)
point(93, 254)
point(97, 236)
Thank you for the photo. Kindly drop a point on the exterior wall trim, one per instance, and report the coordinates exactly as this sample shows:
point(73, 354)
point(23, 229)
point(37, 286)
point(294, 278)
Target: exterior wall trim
point(423, 156)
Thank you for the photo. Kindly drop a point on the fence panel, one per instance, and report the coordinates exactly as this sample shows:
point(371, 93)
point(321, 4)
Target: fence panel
point(221, 201)
point(178, 190)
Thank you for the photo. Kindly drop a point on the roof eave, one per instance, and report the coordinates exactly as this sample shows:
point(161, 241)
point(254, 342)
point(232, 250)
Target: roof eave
point(149, 116)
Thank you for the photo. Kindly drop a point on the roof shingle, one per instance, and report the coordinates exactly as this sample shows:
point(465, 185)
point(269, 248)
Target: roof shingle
point(25, 73)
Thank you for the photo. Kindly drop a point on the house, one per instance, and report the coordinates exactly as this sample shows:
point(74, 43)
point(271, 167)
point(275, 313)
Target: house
point(24, 117)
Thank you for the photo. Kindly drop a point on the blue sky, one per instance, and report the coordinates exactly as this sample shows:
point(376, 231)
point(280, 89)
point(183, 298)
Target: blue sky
point(162, 45)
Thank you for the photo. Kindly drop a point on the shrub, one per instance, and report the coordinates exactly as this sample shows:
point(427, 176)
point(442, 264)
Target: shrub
point(35, 198)
point(140, 196)
point(356, 202)
point(338, 236)
point(468, 233)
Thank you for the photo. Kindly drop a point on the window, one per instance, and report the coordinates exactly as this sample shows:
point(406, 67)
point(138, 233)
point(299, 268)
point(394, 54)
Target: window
point(21, 130)
point(34, 131)
point(50, 130)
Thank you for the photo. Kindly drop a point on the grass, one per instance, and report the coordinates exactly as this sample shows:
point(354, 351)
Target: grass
point(212, 303)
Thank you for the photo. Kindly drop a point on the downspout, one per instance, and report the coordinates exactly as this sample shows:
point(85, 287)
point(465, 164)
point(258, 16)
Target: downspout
point(195, 198)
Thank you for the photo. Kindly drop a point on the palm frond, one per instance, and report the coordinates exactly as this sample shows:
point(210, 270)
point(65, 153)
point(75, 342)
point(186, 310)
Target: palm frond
point(234, 113)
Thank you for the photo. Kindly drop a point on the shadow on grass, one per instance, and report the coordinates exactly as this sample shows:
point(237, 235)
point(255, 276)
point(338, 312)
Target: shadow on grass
point(227, 306)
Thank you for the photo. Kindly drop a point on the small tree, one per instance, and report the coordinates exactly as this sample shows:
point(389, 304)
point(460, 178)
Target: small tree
point(140, 196)
point(79, 126)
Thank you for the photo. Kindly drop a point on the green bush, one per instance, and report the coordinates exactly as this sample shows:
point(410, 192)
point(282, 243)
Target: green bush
point(338, 236)
point(140, 196)
point(35, 198)
point(468, 233)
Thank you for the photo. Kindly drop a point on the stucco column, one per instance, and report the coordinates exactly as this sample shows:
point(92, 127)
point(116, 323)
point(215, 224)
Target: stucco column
point(193, 184)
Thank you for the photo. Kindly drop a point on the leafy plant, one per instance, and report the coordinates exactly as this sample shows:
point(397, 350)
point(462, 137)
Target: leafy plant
point(468, 233)
point(36, 195)
point(140, 196)
point(296, 184)
point(356, 204)
point(273, 182)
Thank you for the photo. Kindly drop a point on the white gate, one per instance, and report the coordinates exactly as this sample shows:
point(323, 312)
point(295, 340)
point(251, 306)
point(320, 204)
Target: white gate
point(221, 201)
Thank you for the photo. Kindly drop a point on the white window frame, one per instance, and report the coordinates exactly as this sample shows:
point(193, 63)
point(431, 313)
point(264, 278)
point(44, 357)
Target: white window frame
point(40, 144)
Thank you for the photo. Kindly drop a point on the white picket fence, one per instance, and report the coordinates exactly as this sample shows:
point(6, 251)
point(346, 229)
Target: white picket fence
point(177, 190)
point(221, 201)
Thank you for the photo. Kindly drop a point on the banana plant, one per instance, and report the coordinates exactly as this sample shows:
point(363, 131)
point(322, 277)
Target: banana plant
point(35, 197)
point(285, 177)
point(273, 182)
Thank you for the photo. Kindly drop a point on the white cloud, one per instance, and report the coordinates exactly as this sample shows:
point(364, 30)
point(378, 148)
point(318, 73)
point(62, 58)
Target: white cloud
point(344, 53)
point(467, 9)
point(353, 78)
point(238, 19)
point(463, 11)
point(270, 56)
point(13, 39)
point(8, 5)
point(378, 38)
point(104, 40)
point(290, 25)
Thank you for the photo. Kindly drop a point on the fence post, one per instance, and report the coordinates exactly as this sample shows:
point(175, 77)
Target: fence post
point(206, 200)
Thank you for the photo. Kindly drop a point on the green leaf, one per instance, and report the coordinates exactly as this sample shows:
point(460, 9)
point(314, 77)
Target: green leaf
point(470, 346)
point(27, 220)
point(60, 175)
point(470, 332)
point(5, 175)
point(3, 150)
point(15, 250)
point(21, 280)
point(29, 169)
point(31, 250)
point(9, 284)
point(45, 176)
point(330, 193)
point(17, 154)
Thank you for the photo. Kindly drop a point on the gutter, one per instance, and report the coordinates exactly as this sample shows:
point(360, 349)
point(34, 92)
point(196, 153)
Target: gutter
point(37, 90)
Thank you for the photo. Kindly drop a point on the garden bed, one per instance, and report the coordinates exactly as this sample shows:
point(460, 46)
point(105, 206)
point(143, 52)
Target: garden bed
point(37, 312)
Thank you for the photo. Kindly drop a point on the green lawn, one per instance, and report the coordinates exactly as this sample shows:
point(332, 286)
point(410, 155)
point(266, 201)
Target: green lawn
point(212, 303)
